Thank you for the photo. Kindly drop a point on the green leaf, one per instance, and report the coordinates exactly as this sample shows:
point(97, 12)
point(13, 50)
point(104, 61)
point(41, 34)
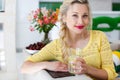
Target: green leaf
point(40, 30)
point(37, 28)
point(36, 25)
point(34, 20)
point(40, 15)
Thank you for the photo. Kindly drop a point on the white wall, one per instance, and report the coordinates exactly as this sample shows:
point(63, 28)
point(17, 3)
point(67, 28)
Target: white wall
point(24, 36)
point(100, 5)
point(8, 18)
point(116, 1)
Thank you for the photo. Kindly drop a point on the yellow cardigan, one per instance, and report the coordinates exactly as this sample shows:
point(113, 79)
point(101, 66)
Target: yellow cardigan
point(97, 53)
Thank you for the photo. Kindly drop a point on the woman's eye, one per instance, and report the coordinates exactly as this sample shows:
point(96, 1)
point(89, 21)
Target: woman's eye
point(75, 15)
point(85, 16)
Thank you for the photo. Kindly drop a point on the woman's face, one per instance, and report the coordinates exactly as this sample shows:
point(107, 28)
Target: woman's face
point(77, 18)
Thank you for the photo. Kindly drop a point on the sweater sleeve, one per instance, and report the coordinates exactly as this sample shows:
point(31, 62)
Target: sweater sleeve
point(106, 57)
point(46, 53)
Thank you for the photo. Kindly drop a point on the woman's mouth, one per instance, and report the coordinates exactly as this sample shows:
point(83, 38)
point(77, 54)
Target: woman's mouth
point(80, 27)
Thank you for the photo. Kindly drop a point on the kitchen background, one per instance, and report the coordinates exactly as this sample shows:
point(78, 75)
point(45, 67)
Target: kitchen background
point(24, 36)
point(15, 34)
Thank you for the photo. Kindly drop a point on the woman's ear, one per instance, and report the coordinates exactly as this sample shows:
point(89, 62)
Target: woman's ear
point(64, 18)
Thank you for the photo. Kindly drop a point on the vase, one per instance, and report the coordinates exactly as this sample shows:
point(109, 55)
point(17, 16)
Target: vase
point(46, 38)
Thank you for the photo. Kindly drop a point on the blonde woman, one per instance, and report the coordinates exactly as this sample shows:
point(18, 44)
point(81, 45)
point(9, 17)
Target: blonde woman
point(96, 57)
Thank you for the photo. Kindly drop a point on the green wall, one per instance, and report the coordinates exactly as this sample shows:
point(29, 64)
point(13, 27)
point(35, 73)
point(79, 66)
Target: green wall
point(115, 6)
point(50, 5)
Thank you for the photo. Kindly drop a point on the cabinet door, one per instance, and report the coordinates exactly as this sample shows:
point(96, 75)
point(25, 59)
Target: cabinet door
point(8, 70)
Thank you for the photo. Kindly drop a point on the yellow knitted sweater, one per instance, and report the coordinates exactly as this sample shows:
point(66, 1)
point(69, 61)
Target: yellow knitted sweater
point(97, 53)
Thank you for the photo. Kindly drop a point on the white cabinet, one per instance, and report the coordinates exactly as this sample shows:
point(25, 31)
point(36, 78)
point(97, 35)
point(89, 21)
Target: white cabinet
point(8, 19)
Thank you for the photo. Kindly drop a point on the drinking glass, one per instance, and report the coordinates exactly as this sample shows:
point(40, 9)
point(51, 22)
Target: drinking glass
point(73, 55)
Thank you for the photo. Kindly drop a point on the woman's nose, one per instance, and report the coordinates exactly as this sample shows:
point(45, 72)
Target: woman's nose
point(80, 21)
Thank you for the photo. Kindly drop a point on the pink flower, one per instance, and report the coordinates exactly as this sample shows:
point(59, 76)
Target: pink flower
point(44, 11)
point(35, 16)
point(38, 11)
point(31, 28)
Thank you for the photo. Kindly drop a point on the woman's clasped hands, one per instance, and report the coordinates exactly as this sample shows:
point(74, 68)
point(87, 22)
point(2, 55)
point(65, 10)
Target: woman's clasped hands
point(79, 66)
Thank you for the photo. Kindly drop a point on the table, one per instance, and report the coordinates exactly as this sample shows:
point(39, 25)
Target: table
point(43, 75)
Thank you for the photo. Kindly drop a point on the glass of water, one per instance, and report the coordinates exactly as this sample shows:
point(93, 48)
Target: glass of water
point(73, 55)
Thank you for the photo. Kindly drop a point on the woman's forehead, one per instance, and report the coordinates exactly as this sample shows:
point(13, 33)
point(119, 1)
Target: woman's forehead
point(78, 8)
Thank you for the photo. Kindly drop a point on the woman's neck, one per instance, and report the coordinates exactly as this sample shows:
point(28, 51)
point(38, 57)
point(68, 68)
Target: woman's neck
point(77, 37)
point(75, 40)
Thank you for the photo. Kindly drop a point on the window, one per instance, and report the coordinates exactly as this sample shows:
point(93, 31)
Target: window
point(2, 5)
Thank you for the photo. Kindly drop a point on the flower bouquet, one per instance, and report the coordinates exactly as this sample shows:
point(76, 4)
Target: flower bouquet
point(43, 20)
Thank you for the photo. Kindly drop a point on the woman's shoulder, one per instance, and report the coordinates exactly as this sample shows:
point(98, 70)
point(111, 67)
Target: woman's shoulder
point(97, 32)
point(55, 42)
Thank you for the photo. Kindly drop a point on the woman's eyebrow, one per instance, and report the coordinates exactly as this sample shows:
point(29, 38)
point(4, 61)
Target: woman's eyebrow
point(78, 13)
point(75, 12)
point(85, 13)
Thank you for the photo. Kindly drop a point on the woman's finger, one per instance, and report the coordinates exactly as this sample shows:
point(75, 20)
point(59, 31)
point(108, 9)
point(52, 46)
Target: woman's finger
point(81, 60)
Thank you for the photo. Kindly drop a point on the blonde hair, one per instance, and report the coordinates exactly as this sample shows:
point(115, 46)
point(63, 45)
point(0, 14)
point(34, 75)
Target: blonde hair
point(63, 32)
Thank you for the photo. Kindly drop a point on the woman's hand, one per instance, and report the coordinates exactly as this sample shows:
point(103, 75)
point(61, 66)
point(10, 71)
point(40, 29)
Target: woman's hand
point(57, 66)
point(80, 66)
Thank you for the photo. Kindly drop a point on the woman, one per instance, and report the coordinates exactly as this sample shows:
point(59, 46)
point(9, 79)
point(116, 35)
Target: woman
point(96, 57)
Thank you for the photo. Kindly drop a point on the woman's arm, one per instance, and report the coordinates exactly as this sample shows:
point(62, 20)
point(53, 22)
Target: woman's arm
point(107, 70)
point(83, 68)
point(29, 67)
point(99, 74)
point(39, 60)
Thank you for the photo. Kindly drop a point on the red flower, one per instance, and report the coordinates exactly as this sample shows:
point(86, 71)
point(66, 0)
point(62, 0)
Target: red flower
point(46, 20)
point(40, 22)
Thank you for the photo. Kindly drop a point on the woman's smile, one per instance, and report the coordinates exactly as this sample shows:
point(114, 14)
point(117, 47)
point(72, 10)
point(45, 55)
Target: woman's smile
point(80, 26)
